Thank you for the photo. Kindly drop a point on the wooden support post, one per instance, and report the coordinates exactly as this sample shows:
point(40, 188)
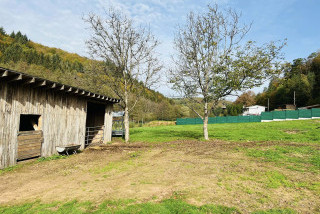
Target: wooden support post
point(108, 123)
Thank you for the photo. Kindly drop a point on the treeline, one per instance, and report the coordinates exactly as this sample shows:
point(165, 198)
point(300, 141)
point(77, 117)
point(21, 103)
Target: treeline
point(17, 47)
point(301, 77)
point(19, 53)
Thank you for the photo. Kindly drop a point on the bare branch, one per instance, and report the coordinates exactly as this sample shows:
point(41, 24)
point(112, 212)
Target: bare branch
point(131, 51)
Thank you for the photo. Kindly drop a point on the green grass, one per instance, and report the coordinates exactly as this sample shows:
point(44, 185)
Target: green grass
point(276, 179)
point(41, 159)
point(127, 207)
point(299, 158)
point(53, 157)
point(276, 211)
point(304, 131)
point(9, 169)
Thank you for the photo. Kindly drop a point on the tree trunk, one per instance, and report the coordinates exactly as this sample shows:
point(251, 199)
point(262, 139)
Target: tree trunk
point(126, 124)
point(126, 115)
point(205, 122)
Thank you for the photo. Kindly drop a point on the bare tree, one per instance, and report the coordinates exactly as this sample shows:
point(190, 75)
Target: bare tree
point(213, 61)
point(129, 54)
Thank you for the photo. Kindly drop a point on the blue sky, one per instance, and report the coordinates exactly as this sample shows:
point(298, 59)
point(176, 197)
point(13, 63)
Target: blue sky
point(58, 23)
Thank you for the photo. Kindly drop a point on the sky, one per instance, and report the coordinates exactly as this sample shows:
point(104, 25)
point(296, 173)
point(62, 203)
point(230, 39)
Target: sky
point(59, 23)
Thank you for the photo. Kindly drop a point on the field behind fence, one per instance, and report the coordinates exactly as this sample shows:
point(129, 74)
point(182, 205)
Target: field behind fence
point(264, 117)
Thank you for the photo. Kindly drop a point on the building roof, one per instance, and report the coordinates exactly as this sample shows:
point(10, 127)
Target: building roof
point(27, 79)
point(310, 107)
point(255, 106)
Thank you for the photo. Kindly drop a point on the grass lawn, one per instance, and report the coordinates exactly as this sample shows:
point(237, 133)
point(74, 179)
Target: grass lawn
point(286, 131)
point(257, 168)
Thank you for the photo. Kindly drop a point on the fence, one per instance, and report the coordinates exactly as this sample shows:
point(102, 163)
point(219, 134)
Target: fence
point(94, 134)
point(264, 117)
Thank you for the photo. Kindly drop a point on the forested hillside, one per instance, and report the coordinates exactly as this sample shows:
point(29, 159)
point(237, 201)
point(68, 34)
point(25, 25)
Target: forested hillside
point(18, 52)
point(302, 76)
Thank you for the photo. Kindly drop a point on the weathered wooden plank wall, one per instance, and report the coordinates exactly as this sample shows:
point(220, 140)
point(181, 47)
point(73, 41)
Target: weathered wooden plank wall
point(29, 144)
point(108, 123)
point(63, 118)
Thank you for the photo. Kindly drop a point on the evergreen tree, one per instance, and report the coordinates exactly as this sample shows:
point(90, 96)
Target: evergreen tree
point(2, 31)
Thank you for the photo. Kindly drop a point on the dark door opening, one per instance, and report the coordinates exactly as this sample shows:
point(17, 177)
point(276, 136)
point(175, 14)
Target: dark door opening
point(29, 136)
point(29, 122)
point(94, 123)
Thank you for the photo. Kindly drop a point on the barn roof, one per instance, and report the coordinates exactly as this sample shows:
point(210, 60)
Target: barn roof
point(27, 79)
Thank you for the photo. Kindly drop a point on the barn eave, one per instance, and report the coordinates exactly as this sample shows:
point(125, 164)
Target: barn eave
point(8, 75)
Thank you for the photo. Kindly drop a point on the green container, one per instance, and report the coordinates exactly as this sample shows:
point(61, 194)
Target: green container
point(305, 113)
point(292, 114)
point(279, 115)
point(266, 116)
point(315, 112)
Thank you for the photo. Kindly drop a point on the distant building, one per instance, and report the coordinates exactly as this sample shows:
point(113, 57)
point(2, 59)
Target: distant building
point(287, 107)
point(254, 110)
point(310, 107)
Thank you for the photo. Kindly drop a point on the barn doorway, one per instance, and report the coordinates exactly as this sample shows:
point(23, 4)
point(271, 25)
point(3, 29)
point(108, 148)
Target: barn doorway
point(94, 123)
point(30, 136)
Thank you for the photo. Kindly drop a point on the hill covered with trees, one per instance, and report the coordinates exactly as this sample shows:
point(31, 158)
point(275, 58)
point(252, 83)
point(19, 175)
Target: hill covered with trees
point(18, 52)
point(301, 77)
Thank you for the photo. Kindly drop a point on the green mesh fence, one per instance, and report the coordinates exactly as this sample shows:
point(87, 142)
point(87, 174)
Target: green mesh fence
point(254, 118)
point(231, 119)
point(292, 114)
point(315, 112)
point(279, 115)
point(179, 121)
point(221, 120)
point(198, 121)
point(266, 116)
point(243, 119)
point(305, 113)
point(302, 113)
point(212, 120)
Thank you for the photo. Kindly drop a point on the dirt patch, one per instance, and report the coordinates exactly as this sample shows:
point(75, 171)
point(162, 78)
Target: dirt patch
point(292, 131)
point(117, 147)
point(203, 172)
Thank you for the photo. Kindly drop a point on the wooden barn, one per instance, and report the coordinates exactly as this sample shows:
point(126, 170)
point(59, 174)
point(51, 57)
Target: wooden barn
point(37, 115)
